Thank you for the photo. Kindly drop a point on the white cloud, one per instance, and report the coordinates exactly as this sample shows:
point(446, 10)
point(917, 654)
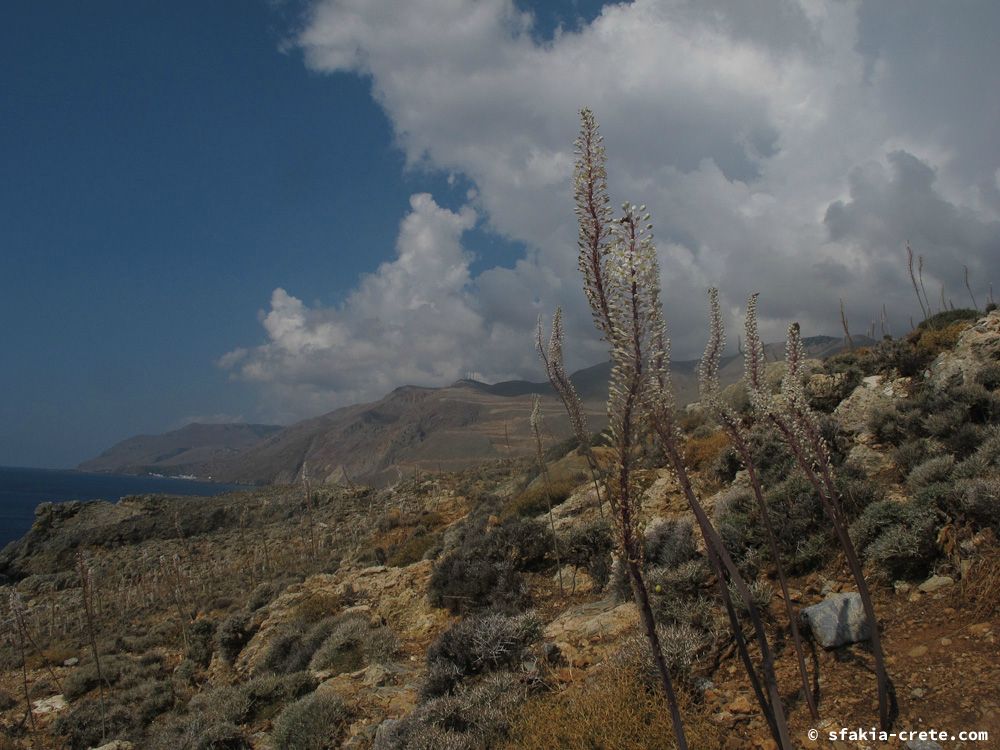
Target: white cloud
point(785, 146)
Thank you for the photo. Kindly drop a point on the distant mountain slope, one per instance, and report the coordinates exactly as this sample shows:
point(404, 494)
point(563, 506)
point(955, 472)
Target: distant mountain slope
point(193, 449)
point(412, 429)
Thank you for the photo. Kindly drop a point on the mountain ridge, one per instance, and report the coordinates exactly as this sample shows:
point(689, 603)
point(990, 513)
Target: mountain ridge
point(415, 429)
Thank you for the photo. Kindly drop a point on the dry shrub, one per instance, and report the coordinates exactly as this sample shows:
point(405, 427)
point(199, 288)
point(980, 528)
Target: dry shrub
point(614, 709)
point(703, 451)
point(316, 607)
point(980, 589)
point(934, 341)
point(412, 550)
point(536, 497)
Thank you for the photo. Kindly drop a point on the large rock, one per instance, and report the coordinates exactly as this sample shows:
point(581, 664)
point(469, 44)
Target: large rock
point(587, 632)
point(978, 346)
point(838, 620)
point(854, 412)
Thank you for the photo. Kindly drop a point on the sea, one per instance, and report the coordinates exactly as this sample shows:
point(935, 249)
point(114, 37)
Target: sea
point(22, 489)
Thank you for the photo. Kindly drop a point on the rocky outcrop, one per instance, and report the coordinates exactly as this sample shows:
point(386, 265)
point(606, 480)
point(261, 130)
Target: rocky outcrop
point(874, 392)
point(978, 346)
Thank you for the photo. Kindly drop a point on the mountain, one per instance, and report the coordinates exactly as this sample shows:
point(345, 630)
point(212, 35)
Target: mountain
point(412, 429)
point(193, 449)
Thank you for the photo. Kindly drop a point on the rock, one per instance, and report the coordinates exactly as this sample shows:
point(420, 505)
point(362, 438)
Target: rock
point(917, 651)
point(50, 705)
point(116, 745)
point(854, 412)
point(838, 620)
point(923, 745)
point(574, 580)
point(740, 705)
point(71, 662)
point(976, 347)
point(901, 587)
point(870, 461)
point(918, 693)
point(935, 583)
point(591, 630)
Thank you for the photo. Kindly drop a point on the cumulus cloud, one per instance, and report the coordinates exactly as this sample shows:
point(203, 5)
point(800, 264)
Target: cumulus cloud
point(785, 146)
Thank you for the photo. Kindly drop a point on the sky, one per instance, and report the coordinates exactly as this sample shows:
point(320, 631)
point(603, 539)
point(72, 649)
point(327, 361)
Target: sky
point(263, 210)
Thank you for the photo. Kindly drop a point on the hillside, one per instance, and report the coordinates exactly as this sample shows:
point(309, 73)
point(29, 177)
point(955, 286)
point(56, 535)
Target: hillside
point(439, 612)
point(193, 449)
point(412, 429)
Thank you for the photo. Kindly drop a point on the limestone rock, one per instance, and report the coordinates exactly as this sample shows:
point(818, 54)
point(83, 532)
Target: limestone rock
point(116, 745)
point(838, 620)
point(870, 461)
point(588, 631)
point(854, 411)
point(51, 705)
point(935, 583)
point(978, 346)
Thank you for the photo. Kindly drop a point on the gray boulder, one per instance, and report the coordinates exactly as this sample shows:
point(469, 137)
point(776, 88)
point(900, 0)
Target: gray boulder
point(838, 620)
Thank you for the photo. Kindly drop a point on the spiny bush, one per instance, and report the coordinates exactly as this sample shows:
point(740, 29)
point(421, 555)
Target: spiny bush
point(683, 647)
point(475, 717)
point(293, 648)
point(481, 643)
point(316, 722)
point(352, 643)
point(931, 471)
point(257, 699)
point(897, 538)
point(201, 635)
point(233, 634)
point(669, 543)
point(484, 568)
point(588, 546)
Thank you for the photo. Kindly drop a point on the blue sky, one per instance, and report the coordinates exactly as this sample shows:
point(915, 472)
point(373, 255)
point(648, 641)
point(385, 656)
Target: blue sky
point(196, 191)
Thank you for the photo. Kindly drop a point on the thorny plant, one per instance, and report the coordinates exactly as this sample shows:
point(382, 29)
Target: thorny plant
point(798, 426)
point(621, 281)
point(536, 429)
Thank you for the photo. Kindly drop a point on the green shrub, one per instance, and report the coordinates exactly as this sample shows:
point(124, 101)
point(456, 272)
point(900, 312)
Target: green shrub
point(315, 722)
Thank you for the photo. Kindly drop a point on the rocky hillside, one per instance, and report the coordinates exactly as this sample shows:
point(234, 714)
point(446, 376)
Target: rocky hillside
point(450, 610)
point(193, 449)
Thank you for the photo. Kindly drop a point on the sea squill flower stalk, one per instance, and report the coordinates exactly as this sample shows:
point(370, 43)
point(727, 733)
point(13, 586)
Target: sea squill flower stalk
point(87, 594)
point(17, 614)
point(798, 426)
point(552, 358)
point(732, 423)
point(628, 386)
point(621, 281)
point(536, 429)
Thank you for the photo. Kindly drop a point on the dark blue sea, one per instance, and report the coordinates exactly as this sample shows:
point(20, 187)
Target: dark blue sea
point(21, 490)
